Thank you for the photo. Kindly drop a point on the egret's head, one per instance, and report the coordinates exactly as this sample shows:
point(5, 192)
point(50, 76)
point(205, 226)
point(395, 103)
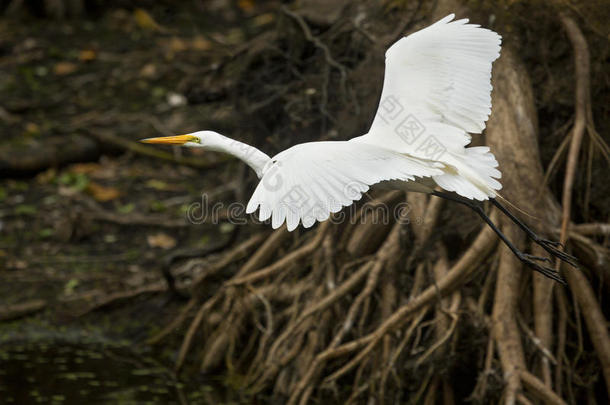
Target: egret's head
point(194, 139)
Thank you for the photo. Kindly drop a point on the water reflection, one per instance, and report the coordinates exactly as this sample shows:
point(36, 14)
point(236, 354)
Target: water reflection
point(63, 373)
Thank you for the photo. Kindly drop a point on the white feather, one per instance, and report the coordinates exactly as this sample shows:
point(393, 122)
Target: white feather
point(310, 181)
point(437, 88)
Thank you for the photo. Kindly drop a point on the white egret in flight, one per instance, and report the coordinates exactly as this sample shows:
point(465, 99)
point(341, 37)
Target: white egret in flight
point(437, 90)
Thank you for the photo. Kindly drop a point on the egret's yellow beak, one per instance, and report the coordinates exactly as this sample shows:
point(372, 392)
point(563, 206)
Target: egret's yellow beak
point(171, 140)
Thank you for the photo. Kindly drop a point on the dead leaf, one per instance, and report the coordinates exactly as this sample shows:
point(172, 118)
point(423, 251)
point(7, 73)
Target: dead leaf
point(85, 168)
point(32, 128)
point(177, 45)
point(66, 191)
point(157, 184)
point(234, 36)
point(199, 43)
point(102, 193)
point(16, 264)
point(263, 19)
point(149, 71)
point(87, 55)
point(161, 240)
point(101, 171)
point(47, 176)
point(64, 68)
point(145, 21)
point(246, 5)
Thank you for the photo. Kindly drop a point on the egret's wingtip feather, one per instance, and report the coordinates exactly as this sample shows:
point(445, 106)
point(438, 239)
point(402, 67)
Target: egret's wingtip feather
point(447, 18)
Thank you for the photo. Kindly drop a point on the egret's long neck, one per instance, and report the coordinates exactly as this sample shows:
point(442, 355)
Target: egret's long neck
point(248, 154)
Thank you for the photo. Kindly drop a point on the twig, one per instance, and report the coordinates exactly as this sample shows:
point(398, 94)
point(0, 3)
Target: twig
point(481, 387)
point(283, 262)
point(505, 330)
point(578, 283)
point(316, 41)
point(174, 324)
point(96, 212)
point(310, 37)
point(268, 311)
point(543, 319)
point(581, 66)
point(540, 390)
point(387, 251)
point(458, 274)
point(594, 318)
point(188, 338)
point(522, 399)
point(265, 252)
point(445, 336)
point(16, 311)
point(236, 253)
point(592, 229)
point(537, 342)
point(122, 295)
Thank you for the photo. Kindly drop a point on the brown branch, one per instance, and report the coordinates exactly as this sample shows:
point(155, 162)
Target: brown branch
point(592, 229)
point(238, 252)
point(188, 338)
point(594, 318)
point(265, 252)
point(109, 299)
point(98, 213)
point(581, 66)
point(284, 262)
point(16, 311)
point(387, 252)
point(458, 274)
point(543, 316)
point(539, 389)
point(174, 324)
point(505, 329)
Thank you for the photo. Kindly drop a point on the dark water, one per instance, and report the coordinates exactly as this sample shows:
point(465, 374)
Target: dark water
point(62, 373)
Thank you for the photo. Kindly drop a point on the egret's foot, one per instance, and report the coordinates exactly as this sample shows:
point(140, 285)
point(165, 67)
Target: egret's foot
point(553, 243)
point(551, 247)
point(539, 258)
point(529, 260)
point(548, 245)
point(546, 271)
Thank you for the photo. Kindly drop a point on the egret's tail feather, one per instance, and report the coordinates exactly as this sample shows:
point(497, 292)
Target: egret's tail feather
point(474, 176)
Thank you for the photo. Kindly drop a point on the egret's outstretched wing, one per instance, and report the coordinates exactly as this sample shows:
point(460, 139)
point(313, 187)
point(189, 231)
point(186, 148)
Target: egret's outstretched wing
point(437, 83)
point(310, 181)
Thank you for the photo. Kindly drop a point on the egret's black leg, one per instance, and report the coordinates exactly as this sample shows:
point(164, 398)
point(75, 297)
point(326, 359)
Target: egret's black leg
point(525, 258)
point(549, 246)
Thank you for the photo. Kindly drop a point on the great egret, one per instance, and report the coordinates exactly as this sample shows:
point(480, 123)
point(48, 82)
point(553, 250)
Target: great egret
point(437, 89)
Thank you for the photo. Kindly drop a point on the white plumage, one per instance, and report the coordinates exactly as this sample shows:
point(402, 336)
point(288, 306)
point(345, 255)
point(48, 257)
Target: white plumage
point(441, 79)
point(310, 181)
point(436, 90)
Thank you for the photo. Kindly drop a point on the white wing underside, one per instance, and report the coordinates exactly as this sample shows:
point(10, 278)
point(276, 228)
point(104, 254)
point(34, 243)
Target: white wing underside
point(436, 89)
point(308, 182)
